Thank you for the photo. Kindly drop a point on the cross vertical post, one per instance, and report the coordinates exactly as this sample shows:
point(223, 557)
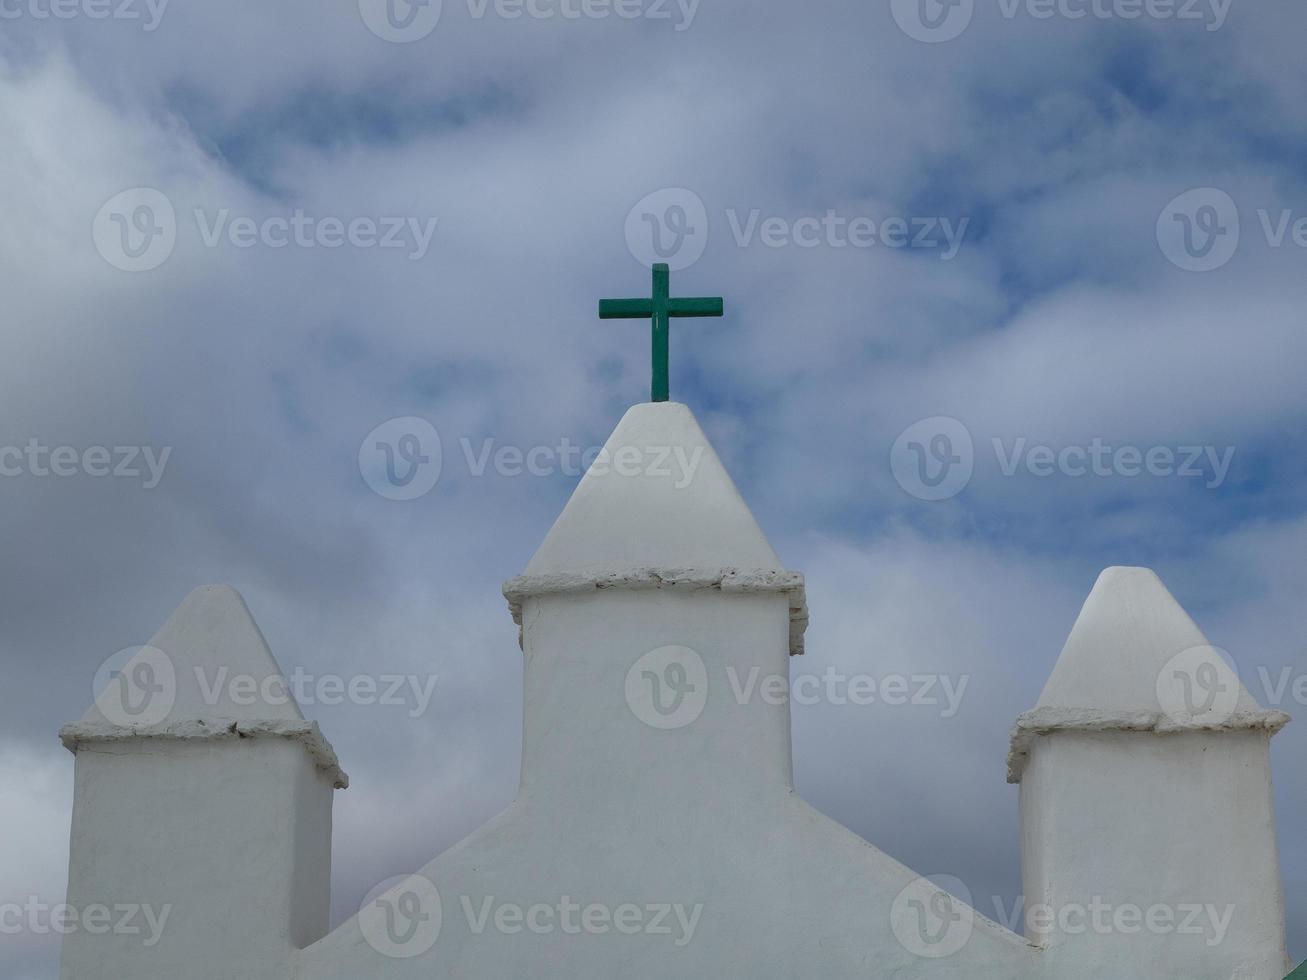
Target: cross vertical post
point(661, 353)
point(659, 309)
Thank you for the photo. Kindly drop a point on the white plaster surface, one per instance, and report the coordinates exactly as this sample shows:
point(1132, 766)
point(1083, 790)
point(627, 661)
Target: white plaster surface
point(663, 500)
point(1169, 821)
point(213, 632)
point(1129, 629)
point(232, 837)
point(645, 586)
point(616, 812)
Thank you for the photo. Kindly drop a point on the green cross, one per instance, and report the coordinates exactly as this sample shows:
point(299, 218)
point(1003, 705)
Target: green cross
point(659, 309)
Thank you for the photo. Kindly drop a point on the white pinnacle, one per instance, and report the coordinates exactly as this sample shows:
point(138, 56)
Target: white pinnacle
point(220, 664)
point(1128, 631)
point(657, 497)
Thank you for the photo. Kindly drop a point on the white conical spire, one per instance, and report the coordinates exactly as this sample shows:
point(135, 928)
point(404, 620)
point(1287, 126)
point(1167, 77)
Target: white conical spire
point(1128, 632)
point(207, 662)
point(657, 497)
point(1136, 662)
point(658, 510)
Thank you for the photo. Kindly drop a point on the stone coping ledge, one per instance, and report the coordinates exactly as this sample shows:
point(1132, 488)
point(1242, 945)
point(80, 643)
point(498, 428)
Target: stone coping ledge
point(739, 581)
point(1043, 721)
point(306, 733)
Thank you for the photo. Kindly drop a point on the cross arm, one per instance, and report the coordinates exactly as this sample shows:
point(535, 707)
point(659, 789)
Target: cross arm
point(625, 309)
point(696, 306)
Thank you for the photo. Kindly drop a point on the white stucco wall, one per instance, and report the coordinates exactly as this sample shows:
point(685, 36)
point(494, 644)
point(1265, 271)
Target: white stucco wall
point(1179, 824)
point(616, 812)
point(230, 839)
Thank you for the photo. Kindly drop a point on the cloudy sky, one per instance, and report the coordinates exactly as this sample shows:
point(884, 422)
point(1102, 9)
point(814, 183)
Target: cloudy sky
point(240, 236)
